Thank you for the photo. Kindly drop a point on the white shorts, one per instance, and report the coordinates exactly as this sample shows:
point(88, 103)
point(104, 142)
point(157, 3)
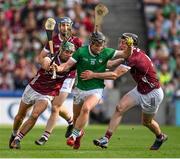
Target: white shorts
point(67, 85)
point(30, 96)
point(80, 95)
point(149, 102)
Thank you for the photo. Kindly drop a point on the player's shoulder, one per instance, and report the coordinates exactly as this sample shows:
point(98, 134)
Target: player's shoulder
point(138, 55)
point(138, 51)
point(77, 41)
point(56, 39)
point(108, 50)
point(75, 38)
point(82, 49)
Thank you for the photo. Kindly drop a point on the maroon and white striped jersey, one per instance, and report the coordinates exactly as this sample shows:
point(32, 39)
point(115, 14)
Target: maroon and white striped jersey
point(42, 82)
point(143, 71)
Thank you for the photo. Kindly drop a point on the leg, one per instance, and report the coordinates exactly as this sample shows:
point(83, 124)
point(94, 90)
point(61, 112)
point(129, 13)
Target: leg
point(150, 104)
point(67, 87)
point(89, 103)
point(76, 112)
point(68, 117)
point(38, 109)
point(63, 112)
point(125, 104)
point(56, 104)
point(149, 122)
point(23, 108)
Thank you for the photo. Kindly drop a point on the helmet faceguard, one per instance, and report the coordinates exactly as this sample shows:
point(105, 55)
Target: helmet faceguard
point(133, 36)
point(97, 37)
point(68, 46)
point(64, 20)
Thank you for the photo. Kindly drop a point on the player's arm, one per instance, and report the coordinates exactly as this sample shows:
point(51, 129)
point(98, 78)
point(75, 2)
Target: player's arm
point(66, 66)
point(114, 63)
point(112, 75)
point(70, 63)
point(44, 59)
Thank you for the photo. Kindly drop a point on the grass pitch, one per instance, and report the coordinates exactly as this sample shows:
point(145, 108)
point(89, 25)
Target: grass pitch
point(128, 141)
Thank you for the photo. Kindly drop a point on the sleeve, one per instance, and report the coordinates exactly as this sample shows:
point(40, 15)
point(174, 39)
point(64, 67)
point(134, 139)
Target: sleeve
point(111, 53)
point(77, 42)
point(125, 66)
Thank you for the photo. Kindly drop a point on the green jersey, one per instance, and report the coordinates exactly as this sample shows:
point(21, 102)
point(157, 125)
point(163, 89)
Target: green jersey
point(85, 60)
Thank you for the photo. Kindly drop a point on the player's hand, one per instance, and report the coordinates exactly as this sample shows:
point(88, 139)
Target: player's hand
point(87, 75)
point(60, 68)
point(53, 67)
point(129, 41)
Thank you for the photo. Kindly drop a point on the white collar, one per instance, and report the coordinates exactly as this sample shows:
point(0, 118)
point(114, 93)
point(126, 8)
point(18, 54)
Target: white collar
point(90, 52)
point(61, 38)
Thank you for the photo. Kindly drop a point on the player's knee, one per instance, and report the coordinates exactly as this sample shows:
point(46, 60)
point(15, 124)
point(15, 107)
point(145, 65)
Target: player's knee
point(34, 116)
point(19, 117)
point(85, 109)
point(120, 109)
point(55, 109)
point(146, 123)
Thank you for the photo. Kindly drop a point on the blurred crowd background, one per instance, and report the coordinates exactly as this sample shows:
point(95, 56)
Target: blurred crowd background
point(163, 25)
point(22, 36)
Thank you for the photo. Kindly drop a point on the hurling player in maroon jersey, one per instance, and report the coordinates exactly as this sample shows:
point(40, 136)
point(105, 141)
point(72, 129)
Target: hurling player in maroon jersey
point(40, 92)
point(147, 93)
point(64, 26)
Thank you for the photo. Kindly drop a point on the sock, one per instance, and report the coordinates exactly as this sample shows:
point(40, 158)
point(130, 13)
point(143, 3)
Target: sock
point(75, 133)
point(46, 135)
point(70, 121)
point(14, 132)
point(108, 134)
point(159, 136)
point(19, 136)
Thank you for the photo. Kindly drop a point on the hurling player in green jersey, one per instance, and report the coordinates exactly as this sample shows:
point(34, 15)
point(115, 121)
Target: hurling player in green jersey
point(88, 93)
